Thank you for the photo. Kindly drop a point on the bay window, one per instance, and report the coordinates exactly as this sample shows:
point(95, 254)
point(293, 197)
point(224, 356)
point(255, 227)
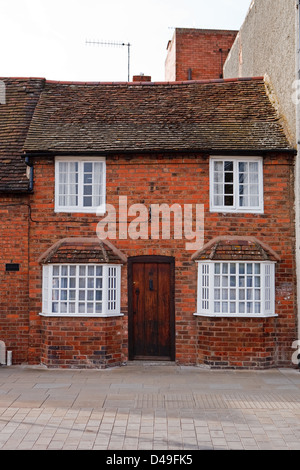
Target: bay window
point(245, 289)
point(81, 290)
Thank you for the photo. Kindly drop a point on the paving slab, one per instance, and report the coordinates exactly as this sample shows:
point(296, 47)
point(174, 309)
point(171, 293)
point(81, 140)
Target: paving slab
point(149, 406)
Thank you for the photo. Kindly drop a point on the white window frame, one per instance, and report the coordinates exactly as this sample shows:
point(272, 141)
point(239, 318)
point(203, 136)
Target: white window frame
point(206, 289)
point(236, 207)
point(80, 208)
point(111, 291)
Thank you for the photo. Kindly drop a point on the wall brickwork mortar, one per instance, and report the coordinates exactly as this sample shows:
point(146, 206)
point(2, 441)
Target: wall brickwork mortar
point(148, 179)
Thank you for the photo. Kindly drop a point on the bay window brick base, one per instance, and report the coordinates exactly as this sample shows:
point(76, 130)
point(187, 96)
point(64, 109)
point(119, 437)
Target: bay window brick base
point(237, 343)
point(82, 343)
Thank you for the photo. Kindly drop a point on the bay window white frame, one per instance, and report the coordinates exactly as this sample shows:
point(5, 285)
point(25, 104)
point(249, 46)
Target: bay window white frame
point(80, 207)
point(236, 207)
point(206, 289)
point(110, 288)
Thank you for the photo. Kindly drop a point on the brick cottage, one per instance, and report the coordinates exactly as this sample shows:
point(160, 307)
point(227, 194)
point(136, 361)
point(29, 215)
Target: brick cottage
point(146, 221)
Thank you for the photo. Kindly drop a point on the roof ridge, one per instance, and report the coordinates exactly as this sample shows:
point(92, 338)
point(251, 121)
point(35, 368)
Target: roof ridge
point(182, 82)
point(134, 83)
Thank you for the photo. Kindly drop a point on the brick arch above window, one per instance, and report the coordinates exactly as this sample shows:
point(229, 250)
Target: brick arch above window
point(83, 250)
point(236, 248)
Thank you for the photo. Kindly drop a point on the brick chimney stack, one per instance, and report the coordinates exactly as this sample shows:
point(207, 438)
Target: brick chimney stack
point(141, 78)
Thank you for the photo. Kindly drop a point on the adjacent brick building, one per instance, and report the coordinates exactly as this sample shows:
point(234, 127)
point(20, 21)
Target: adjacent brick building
point(77, 157)
point(197, 54)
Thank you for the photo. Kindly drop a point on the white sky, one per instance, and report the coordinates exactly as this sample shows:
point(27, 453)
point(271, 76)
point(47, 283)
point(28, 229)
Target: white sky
point(40, 38)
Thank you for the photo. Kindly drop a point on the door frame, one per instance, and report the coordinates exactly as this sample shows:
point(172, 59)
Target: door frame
point(151, 259)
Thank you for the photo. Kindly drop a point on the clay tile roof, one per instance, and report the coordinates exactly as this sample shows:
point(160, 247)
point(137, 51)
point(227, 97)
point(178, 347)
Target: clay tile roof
point(234, 248)
point(21, 96)
point(217, 115)
point(83, 250)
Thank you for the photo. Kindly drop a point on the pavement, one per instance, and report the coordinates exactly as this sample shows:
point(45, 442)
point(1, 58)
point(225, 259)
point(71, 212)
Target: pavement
point(149, 406)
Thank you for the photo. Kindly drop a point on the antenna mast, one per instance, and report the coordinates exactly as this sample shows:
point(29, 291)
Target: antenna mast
point(117, 44)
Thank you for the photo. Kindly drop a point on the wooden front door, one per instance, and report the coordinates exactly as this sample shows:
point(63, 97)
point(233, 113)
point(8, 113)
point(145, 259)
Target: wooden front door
point(151, 308)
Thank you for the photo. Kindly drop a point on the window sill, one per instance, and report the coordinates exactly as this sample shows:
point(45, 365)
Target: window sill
point(225, 210)
point(235, 315)
point(80, 315)
point(81, 211)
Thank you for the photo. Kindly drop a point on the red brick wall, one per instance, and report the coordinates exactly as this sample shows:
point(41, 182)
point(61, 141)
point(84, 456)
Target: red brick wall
point(88, 343)
point(154, 179)
point(14, 324)
point(236, 343)
point(199, 51)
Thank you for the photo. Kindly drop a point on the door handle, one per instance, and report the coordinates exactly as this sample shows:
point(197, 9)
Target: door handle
point(151, 284)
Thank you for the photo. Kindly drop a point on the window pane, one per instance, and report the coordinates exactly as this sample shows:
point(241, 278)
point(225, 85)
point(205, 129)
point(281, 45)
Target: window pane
point(72, 295)
point(90, 308)
point(254, 201)
point(98, 270)
point(72, 307)
point(55, 270)
point(253, 167)
point(217, 294)
point(218, 166)
point(228, 166)
point(81, 308)
point(228, 201)
point(88, 190)
point(232, 307)
point(248, 184)
point(87, 178)
point(91, 270)
point(218, 189)
point(97, 200)
point(224, 294)
point(90, 282)
point(90, 295)
point(240, 290)
point(218, 177)
point(228, 177)
point(228, 189)
point(242, 167)
point(88, 167)
point(98, 308)
point(55, 294)
point(82, 295)
point(224, 268)
point(98, 295)
point(72, 270)
point(218, 200)
point(87, 201)
point(225, 281)
point(253, 178)
point(82, 270)
point(68, 183)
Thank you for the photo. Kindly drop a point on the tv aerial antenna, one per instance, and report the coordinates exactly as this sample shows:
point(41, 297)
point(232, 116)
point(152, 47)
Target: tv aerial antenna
point(114, 44)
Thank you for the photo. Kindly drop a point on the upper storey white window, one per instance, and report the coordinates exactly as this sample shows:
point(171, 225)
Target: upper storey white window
point(236, 184)
point(80, 185)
